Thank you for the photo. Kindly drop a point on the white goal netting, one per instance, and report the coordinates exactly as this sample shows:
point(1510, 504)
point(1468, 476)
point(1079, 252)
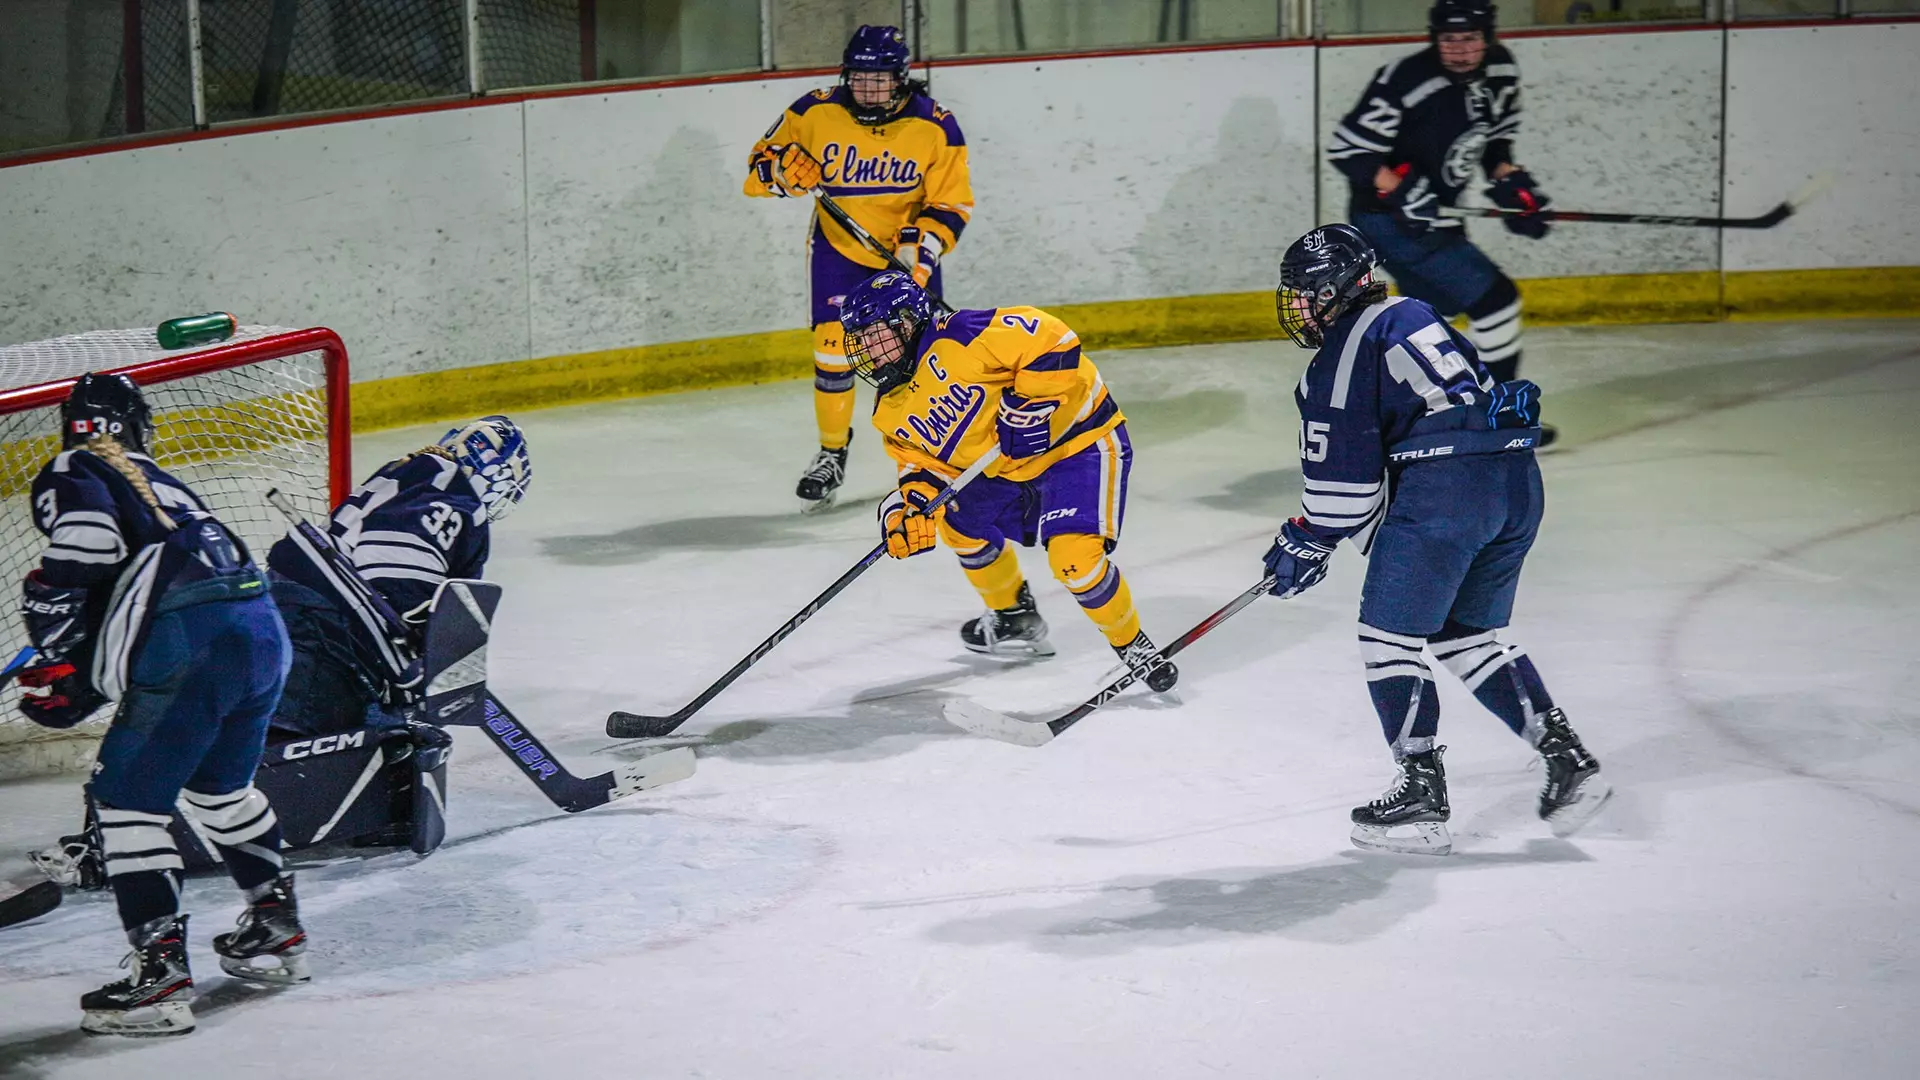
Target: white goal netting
point(264, 409)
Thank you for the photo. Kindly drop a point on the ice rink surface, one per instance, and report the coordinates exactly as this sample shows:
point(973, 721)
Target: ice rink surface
point(1724, 598)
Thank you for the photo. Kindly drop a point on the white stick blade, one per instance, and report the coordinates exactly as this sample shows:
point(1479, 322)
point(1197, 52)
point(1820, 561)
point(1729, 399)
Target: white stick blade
point(967, 716)
point(1811, 190)
point(652, 771)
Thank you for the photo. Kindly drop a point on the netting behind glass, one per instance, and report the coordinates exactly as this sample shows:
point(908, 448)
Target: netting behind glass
point(229, 435)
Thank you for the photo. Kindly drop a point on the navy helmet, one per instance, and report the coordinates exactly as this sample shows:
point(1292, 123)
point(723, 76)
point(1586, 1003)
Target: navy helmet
point(493, 453)
point(1322, 275)
point(1458, 16)
point(106, 405)
point(893, 299)
point(876, 48)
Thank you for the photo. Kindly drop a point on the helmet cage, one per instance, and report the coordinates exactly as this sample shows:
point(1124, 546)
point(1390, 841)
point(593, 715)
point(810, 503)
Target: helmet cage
point(876, 49)
point(885, 365)
point(493, 454)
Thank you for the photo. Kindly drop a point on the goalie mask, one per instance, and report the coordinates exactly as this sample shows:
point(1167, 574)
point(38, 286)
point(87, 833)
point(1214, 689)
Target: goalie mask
point(1323, 275)
point(106, 405)
point(494, 454)
point(883, 319)
point(875, 63)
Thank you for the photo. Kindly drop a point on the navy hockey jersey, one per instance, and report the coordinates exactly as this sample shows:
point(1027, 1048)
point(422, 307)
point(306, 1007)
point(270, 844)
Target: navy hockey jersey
point(414, 524)
point(1382, 370)
point(95, 522)
point(1440, 126)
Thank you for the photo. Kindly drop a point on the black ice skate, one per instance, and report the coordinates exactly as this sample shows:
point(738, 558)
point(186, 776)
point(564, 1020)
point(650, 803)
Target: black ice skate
point(269, 930)
point(1141, 653)
point(1411, 816)
point(1574, 791)
point(1015, 631)
point(155, 998)
point(821, 482)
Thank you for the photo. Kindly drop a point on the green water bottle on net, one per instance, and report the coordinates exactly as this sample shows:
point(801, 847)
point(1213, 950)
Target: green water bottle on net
point(191, 330)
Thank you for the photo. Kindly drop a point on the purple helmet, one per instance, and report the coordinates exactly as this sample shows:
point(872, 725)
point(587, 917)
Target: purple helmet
point(892, 299)
point(876, 48)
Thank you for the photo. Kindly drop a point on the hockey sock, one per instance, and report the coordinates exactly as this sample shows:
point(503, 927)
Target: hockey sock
point(1494, 328)
point(1080, 562)
point(994, 571)
point(242, 825)
point(832, 387)
point(1401, 686)
point(143, 864)
point(1500, 676)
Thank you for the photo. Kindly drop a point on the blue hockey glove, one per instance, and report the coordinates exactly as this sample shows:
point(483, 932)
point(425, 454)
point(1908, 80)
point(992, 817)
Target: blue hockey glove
point(1296, 560)
point(1514, 404)
point(65, 696)
point(1025, 426)
point(56, 618)
point(1516, 191)
point(1413, 202)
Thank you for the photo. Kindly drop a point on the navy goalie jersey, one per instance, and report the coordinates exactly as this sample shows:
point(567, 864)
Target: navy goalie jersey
point(1440, 127)
point(1382, 372)
point(414, 524)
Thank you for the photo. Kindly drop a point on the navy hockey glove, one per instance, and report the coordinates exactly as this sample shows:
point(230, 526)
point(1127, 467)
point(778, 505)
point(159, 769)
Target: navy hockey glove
point(1296, 560)
point(1514, 404)
point(1025, 426)
point(55, 617)
point(65, 697)
point(1412, 202)
point(1516, 191)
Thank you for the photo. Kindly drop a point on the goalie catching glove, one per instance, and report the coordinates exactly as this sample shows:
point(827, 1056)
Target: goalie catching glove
point(904, 524)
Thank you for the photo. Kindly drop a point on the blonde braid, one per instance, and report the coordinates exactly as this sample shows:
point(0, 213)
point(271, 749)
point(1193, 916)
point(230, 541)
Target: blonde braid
point(108, 449)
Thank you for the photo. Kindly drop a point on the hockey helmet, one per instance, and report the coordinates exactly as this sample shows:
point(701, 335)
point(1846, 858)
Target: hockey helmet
point(106, 405)
point(876, 48)
point(892, 299)
point(493, 452)
point(1459, 16)
point(1322, 275)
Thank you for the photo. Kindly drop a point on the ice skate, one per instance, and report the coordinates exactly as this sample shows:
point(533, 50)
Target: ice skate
point(1574, 791)
point(155, 998)
point(1141, 653)
point(1410, 817)
point(820, 484)
point(1014, 631)
point(73, 863)
point(269, 930)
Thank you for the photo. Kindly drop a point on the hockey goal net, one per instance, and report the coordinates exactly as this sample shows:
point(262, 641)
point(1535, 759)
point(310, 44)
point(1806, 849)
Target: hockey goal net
point(266, 408)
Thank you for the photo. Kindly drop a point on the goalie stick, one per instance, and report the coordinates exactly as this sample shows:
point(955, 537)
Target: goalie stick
point(859, 232)
point(979, 720)
point(1765, 221)
point(457, 705)
point(626, 725)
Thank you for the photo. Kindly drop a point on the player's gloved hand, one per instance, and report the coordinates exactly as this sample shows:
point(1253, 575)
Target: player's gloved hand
point(1025, 425)
point(57, 695)
point(762, 162)
point(904, 523)
point(1296, 560)
point(919, 252)
point(1412, 201)
point(55, 617)
point(796, 173)
point(1514, 404)
point(1517, 191)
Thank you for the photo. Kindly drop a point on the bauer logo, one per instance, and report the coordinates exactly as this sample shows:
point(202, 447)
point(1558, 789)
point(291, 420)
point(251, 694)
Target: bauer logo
point(320, 747)
point(520, 744)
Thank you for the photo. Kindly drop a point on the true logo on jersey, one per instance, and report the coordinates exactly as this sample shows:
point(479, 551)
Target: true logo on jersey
point(845, 165)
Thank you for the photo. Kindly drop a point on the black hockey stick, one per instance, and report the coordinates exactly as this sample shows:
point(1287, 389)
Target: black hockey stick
point(1765, 221)
point(567, 791)
point(968, 716)
point(29, 903)
point(859, 232)
point(626, 725)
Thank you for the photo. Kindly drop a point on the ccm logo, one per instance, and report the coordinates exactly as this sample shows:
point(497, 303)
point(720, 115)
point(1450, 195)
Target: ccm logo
point(325, 744)
point(1052, 515)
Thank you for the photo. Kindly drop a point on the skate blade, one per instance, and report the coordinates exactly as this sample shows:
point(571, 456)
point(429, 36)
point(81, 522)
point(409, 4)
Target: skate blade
point(1015, 648)
point(1414, 838)
point(1572, 817)
point(969, 717)
point(285, 970)
point(810, 507)
point(146, 1022)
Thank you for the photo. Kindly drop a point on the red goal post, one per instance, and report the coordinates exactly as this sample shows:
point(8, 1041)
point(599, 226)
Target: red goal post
point(268, 408)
